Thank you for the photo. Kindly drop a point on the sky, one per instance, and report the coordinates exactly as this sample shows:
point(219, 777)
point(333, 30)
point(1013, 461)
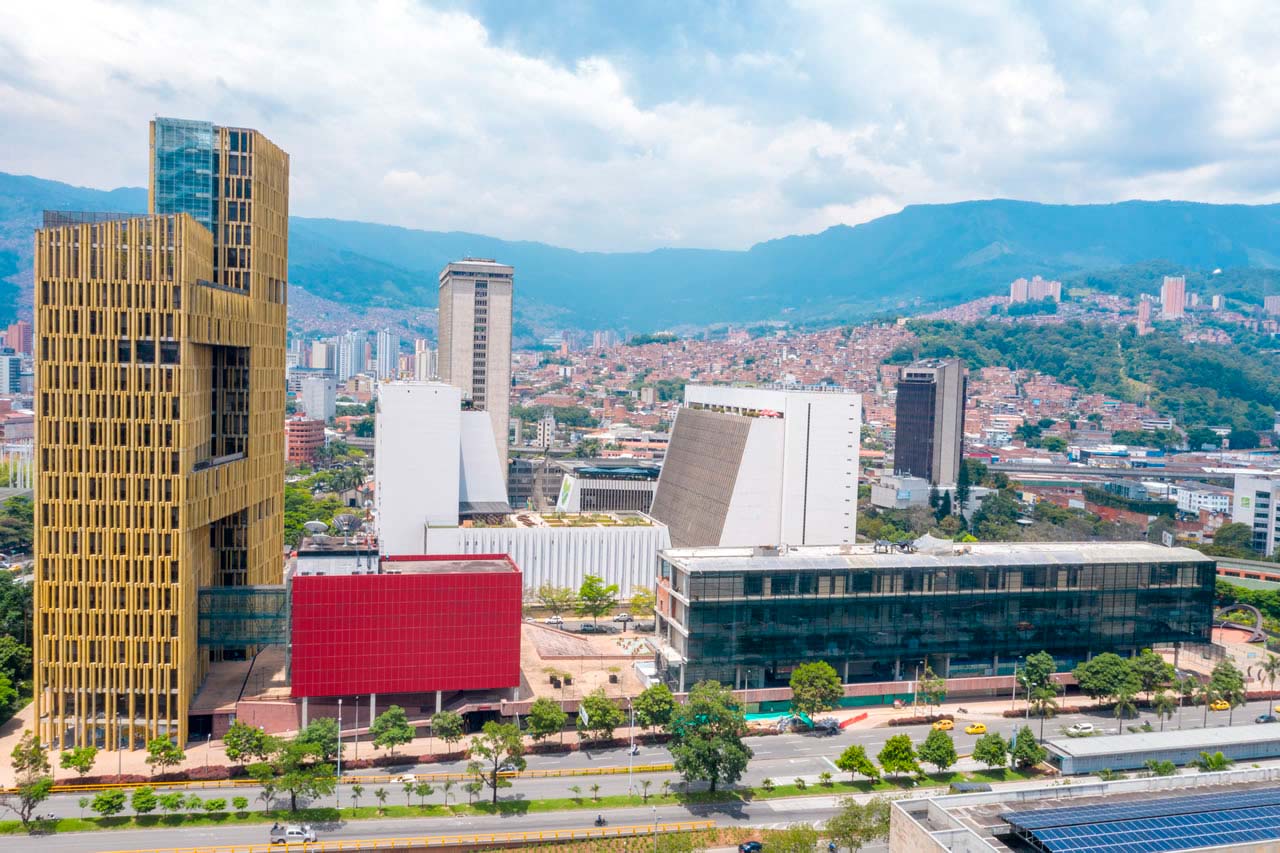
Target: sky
point(627, 125)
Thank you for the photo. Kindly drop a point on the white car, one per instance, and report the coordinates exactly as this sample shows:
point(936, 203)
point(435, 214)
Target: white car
point(554, 620)
point(1081, 729)
point(293, 834)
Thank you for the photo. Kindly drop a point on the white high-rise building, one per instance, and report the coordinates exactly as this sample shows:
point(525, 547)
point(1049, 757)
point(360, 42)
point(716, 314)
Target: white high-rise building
point(424, 360)
point(761, 466)
point(1255, 501)
point(388, 354)
point(317, 397)
point(10, 372)
point(350, 351)
point(475, 338)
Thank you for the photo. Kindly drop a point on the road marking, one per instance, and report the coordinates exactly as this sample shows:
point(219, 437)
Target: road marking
point(802, 804)
point(829, 761)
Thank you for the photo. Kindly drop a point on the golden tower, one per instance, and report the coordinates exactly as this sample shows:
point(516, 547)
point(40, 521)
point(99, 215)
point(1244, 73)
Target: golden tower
point(160, 393)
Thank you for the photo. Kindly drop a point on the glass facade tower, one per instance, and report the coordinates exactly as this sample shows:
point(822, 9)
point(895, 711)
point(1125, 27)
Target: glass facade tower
point(184, 169)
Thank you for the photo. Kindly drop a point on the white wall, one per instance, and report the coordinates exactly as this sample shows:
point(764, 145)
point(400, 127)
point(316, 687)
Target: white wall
point(755, 510)
point(481, 477)
point(417, 462)
point(563, 556)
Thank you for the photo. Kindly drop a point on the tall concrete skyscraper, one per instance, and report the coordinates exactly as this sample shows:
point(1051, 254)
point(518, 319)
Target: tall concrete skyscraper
point(388, 354)
point(929, 438)
point(160, 418)
point(1173, 297)
point(475, 338)
point(350, 352)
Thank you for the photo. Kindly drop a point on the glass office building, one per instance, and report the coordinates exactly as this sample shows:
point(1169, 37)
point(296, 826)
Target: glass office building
point(183, 169)
point(747, 617)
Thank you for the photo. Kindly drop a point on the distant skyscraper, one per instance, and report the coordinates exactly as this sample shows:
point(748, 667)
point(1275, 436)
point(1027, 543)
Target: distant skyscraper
point(1035, 290)
point(1173, 297)
point(929, 438)
point(350, 349)
point(18, 338)
point(322, 356)
point(1216, 302)
point(1271, 304)
point(424, 360)
point(10, 372)
point(171, 477)
point(388, 353)
point(475, 338)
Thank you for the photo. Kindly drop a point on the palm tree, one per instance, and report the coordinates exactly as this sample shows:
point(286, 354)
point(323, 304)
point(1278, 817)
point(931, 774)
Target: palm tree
point(1186, 689)
point(1044, 701)
point(576, 790)
point(1207, 694)
point(448, 788)
point(408, 793)
point(1125, 705)
point(423, 790)
point(595, 791)
point(381, 794)
point(1271, 671)
point(1211, 762)
point(1162, 704)
point(356, 791)
point(644, 789)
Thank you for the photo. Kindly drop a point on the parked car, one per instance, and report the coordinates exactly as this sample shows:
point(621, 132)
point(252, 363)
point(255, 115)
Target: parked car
point(644, 626)
point(554, 620)
point(1081, 729)
point(508, 767)
point(976, 729)
point(292, 834)
point(944, 726)
point(1220, 705)
point(623, 617)
point(592, 628)
point(1267, 718)
point(750, 847)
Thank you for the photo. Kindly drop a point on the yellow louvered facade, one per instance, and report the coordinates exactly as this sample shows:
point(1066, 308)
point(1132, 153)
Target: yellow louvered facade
point(160, 395)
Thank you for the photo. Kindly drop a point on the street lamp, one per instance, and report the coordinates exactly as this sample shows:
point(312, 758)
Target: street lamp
point(655, 829)
point(357, 731)
point(208, 741)
point(337, 791)
point(631, 753)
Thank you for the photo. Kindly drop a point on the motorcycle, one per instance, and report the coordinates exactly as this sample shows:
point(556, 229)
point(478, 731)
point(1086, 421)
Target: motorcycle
point(600, 821)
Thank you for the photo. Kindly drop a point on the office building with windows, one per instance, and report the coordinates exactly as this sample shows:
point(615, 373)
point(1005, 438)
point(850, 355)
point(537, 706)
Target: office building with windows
point(1255, 501)
point(929, 432)
point(160, 420)
point(388, 354)
point(748, 617)
point(1173, 297)
point(475, 339)
point(762, 466)
point(318, 397)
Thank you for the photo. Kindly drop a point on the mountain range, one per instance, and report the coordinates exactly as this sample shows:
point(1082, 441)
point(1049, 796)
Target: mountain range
point(926, 255)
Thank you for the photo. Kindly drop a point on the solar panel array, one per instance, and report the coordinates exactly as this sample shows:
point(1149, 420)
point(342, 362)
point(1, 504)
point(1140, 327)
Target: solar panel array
point(1168, 823)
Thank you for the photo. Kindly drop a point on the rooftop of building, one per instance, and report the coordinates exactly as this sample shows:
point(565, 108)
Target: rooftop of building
point(1210, 740)
point(444, 564)
point(984, 821)
point(531, 519)
point(929, 552)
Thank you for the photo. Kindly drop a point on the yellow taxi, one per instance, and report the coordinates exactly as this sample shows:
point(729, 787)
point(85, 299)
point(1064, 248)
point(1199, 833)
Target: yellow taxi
point(976, 729)
point(1220, 705)
point(943, 726)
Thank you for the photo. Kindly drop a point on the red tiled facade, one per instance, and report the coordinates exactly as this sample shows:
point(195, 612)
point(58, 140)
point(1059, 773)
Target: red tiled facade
point(406, 633)
point(303, 438)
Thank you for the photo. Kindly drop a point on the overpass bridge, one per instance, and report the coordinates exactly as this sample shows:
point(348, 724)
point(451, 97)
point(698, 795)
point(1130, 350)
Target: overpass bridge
point(1022, 471)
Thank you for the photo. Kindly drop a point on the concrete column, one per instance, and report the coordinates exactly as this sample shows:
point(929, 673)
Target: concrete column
point(682, 678)
point(995, 664)
point(737, 677)
point(439, 701)
point(897, 669)
point(846, 671)
point(373, 707)
point(304, 712)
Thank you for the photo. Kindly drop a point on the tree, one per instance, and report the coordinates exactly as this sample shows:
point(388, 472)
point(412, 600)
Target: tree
point(545, 718)
point(174, 801)
point(1164, 706)
point(163, 753)
point(356, 792)
point(1038, 670)
point(1025, 752)
point(797, 838)
point(964, 482)
point(854, 760)
point(215, 805)
point(1152, 671)
point(899, 756)
point(193, 802)
point(557, 599)
point(642, 602)
point(1212, 762)
point(992, 750)
point(323, 732)
point(144, 800)
point(1271, 670)
point(498, 744)
point(391, 729)
point(939, 750)
point(932, 687)
point(1125, 707)
point(240, 804)
point(243, 741)
point(856, 824)
point(448, 726)
point(33, 783)
point(1105, 676)
point(423, 790)
point(602, 715)
point(1236, 536)
point(1228, 683)
point(1160, 768)
point(297, 769)
point(78, 758)
point(815, 687)
point(595, 599)
point(1044, 702)
point(109, 803)
point(655, 704)
point(381, 794)
point(707, 732)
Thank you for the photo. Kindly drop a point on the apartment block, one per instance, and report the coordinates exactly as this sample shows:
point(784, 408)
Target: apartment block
point(929, 433)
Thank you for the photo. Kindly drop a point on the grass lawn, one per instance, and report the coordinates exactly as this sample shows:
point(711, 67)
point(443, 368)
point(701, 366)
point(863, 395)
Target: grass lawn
point(509, 806)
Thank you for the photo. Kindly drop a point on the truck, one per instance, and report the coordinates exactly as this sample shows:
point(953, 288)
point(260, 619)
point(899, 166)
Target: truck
point(292, 834)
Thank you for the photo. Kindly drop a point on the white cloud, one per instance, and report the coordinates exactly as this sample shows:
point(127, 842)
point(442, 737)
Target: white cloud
point(398, 113)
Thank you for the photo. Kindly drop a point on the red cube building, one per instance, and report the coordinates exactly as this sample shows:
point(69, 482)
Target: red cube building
point(423, 624)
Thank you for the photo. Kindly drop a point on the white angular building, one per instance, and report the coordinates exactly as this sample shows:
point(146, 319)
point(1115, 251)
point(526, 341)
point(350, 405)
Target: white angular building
point(762, 466)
